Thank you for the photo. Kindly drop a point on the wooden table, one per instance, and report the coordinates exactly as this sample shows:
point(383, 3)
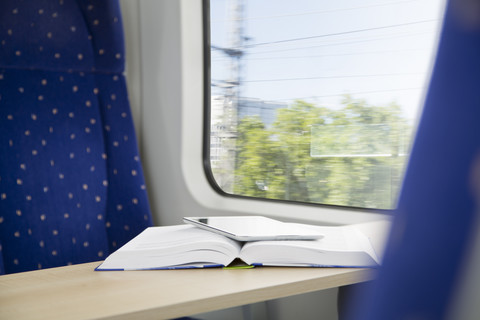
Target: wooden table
point(79, 292)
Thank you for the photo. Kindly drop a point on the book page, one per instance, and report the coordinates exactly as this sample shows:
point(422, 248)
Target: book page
point(340, 246)
point(182, 245)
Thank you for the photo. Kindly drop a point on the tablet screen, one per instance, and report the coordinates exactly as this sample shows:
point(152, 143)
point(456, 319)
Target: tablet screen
point(253, 228)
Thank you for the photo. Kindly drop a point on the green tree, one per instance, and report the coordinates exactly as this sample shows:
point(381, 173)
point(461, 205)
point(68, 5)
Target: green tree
point(255, 159)
point(351, 156)
point(292, 131)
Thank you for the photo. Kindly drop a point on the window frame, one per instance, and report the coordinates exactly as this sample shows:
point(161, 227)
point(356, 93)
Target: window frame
point(171, 98)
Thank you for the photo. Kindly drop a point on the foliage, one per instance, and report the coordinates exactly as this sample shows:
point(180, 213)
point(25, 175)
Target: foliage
point(352, 156)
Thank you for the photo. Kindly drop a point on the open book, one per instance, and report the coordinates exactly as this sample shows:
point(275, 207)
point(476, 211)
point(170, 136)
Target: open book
point(186, 246)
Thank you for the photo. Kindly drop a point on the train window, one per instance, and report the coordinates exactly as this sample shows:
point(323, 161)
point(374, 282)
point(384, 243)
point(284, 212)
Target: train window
point(316, 101)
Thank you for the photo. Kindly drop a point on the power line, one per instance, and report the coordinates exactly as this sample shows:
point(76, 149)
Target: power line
point(337, 77)
point(327, 55)
point(389, 37)
point(345, 93)
point(348, 93)
point(326, 11)
point(336, 33)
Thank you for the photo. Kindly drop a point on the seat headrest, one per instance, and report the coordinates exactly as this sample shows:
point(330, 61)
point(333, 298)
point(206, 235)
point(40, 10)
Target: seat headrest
point(61, 35)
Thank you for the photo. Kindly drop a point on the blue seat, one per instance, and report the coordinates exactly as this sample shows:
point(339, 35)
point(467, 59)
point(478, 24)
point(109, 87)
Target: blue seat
point(433, 223)
point(71, 182)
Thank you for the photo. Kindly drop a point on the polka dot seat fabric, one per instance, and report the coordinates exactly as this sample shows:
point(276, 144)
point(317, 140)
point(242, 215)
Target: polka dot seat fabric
point(71, 182)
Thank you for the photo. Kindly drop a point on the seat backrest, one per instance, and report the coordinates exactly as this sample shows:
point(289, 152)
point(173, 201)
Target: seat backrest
point(71, 182)
point(433, 223)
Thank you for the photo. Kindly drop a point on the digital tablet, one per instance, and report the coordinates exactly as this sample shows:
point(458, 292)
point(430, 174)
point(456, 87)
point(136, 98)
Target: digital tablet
point(254, 228)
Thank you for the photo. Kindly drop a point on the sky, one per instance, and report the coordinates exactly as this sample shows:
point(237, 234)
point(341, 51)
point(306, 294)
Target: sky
point(317, 50)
